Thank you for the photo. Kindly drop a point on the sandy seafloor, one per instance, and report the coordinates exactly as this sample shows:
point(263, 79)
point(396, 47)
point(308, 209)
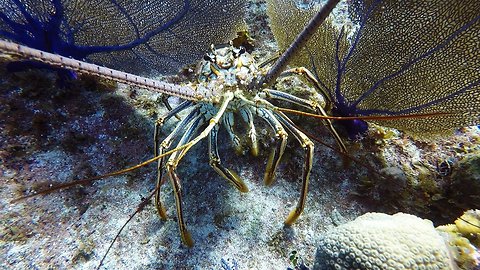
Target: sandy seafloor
point(54, 136)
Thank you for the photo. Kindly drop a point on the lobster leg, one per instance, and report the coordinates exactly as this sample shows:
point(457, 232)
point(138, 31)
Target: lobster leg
point(160, 148)
point(229, 122)
point(184, 145)
point(252, 134)
point(216, 164)
point(313, 105)
point(307, 74)
point(228, 96)
point(308, 146)
point(169, 107)
point(175, 180)
point(281, 138)
point(161, 120)
point(177, 189)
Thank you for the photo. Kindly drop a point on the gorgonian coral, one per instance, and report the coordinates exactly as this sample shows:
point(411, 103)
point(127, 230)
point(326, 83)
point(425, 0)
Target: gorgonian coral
point(135, 36)
point(398, 58)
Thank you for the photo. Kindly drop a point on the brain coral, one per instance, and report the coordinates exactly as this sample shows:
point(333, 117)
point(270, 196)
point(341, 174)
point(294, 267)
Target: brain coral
point(381, 241)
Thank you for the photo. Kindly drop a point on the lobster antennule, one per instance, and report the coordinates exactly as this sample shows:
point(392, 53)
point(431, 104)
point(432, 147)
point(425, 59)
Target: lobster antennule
point(140, 208)
point(92, 179)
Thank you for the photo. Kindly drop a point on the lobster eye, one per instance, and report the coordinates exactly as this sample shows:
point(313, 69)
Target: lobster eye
point(242, 51)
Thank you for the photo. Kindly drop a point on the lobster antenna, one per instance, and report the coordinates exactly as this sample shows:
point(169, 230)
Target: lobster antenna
point(298, 43)
point(15, 49)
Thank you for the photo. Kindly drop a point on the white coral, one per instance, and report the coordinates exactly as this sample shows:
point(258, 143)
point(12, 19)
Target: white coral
point(381, 241)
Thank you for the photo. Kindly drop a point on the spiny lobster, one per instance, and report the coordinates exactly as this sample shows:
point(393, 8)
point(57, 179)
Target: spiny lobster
point(229, 81)
point(227, 85)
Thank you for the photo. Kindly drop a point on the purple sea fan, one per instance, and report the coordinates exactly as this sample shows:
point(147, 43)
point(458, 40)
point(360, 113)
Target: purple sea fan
point(396, 58)
point(141, 36)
